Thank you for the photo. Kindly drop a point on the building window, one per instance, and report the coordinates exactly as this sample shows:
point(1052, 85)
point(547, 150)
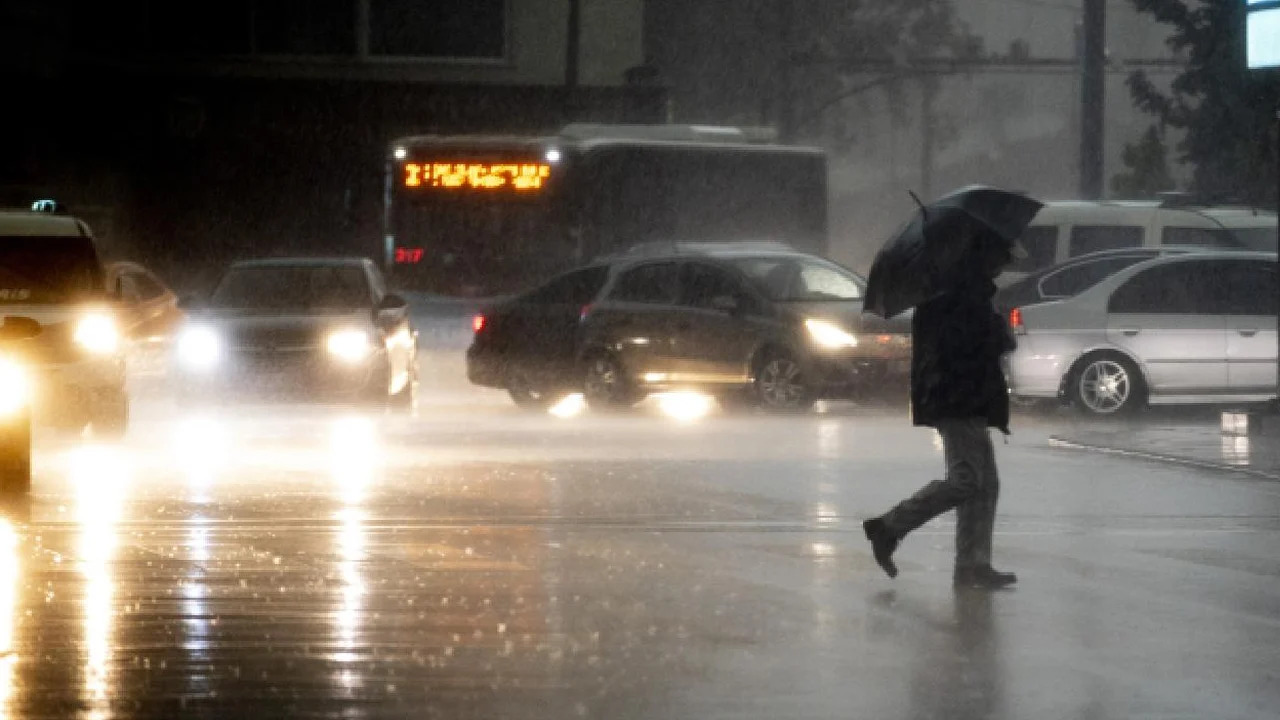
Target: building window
point(441, 29)
point(304, 27)
point(197, 28)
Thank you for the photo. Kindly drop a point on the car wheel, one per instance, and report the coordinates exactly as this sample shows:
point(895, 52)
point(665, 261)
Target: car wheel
point(109, 418)
point(780, 385)
point(604, 384)
point(1106, 385)
point(15, 454)
point(526, 393)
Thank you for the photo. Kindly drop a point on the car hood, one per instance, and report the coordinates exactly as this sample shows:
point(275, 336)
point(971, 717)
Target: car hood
point(281, 331)
point(850, 316)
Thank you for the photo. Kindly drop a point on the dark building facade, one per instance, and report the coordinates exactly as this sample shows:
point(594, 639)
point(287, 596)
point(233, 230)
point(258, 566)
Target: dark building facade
point(208, 131)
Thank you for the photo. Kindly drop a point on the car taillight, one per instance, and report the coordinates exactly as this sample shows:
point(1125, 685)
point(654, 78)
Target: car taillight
point(584, 312)
point(1015, 321)
point(477, 323)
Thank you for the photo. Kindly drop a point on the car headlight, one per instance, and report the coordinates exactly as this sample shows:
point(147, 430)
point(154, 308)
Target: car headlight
point(15, 387)
point(829, 335)
point(199, 348)
point(97, 333)
point(349, 345)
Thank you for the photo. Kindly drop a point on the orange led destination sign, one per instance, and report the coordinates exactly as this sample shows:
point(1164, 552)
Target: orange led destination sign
point(498, 176)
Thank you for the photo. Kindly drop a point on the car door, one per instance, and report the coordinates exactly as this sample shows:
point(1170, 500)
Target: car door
point(1168, 316)
point(714, 331)
point(1250, 314)
point(636, 321)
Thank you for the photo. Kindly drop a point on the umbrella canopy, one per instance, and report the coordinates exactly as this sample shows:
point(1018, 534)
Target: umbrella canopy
point(939, 248)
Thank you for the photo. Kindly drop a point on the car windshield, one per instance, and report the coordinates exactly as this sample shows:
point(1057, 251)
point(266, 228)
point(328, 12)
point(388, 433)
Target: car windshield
point(48, 270)
point(293, 287)
point(800, 279)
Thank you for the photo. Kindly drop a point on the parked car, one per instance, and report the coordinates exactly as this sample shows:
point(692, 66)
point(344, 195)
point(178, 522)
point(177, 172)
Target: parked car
point(1192, 328)
point(754, 324)
point(50, 272)
point(312, 328)
point(1065, 230)
point(1070, 278)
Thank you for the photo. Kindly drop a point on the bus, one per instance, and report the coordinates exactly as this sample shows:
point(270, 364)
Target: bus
point(484, 216)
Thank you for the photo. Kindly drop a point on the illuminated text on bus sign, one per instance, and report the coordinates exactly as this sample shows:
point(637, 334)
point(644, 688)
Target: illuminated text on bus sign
point(519, 177)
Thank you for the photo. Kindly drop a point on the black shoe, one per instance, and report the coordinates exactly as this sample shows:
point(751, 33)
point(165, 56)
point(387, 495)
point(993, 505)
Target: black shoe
point(883, 543)
point(983, 577)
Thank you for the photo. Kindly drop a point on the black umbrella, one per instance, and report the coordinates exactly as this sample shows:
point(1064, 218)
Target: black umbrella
point(936, 250)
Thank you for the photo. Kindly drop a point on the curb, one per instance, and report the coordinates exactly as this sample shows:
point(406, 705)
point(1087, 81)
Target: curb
point(1067, 444)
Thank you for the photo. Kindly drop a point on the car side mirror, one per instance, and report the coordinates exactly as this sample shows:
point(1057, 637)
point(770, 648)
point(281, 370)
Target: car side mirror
point(19, 328)
point(726, 303)
point(389, 310)
point(392, 301)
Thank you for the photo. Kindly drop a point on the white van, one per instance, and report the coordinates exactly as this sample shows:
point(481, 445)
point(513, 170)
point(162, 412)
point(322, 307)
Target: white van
point(50, 272)
point(1063, 230)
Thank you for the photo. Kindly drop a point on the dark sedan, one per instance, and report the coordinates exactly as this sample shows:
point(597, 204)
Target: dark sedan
point(314, 328)
point(762, 326)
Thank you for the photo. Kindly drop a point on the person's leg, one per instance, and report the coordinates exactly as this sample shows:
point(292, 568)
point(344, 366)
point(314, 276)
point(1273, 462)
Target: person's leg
point(975, 525)
point(964, 456)
point(932, 500)
point(975, 517)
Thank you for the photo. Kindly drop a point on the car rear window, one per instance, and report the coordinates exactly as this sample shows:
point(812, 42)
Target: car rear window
point(1093, 238)
point(1040, 242)
point(576, 288)
point(655, 284)
point(1257, 238)
point(49, 269)
point(1199, 237)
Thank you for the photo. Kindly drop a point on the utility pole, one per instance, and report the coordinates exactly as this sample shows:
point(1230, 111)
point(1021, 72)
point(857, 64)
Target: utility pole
point(928, 91)
point(571, 50)
point(1093, 99)
point(785, 112)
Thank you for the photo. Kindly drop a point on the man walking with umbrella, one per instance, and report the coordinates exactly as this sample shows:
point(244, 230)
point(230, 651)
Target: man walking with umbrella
point(944, 265)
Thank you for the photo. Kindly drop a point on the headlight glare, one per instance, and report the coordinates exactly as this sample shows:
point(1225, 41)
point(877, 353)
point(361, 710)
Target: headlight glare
point(829, 335)
point(199, 348)
point(349, 345)
point(15, 387)
point(97, 333)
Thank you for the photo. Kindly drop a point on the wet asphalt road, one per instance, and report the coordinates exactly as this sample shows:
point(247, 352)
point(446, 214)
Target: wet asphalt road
point(470, 561)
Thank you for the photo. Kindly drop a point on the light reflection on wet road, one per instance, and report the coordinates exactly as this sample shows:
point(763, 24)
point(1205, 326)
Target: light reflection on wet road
point(476, 562)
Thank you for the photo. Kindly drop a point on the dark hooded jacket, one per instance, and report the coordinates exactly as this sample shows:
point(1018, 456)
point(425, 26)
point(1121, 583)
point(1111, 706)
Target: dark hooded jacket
point(957, 341)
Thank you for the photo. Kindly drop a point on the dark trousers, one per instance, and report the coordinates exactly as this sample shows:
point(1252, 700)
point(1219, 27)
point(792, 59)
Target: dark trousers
point(971, 486)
